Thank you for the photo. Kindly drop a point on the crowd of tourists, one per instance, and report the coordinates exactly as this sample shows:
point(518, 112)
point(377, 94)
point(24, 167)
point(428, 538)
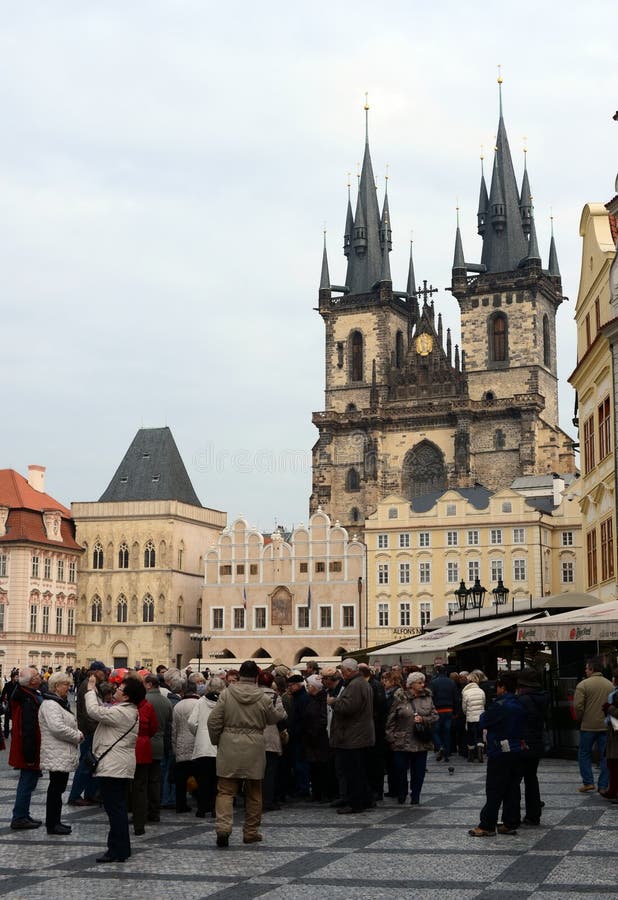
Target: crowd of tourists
point(346, 736)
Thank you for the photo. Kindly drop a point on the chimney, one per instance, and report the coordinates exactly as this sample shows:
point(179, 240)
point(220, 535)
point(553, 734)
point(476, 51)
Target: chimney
point(558, 489)
point(36, 478)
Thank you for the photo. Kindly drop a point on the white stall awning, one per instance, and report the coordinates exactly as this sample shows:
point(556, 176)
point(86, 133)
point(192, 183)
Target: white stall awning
point(596, 623)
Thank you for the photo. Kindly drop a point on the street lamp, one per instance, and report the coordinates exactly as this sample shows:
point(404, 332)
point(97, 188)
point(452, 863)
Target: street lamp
point(462, 593)
point(500, 593)
point(477, 593)
point(195, 636)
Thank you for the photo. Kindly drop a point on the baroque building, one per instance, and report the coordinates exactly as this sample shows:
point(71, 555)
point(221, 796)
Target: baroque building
point(38, 574)
point(284, 597)
point(140, 580)
point(596, 383)
point(406, 412)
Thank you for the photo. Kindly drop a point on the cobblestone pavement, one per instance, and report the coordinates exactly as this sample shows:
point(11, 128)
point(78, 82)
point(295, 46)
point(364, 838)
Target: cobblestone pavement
point(311, 852)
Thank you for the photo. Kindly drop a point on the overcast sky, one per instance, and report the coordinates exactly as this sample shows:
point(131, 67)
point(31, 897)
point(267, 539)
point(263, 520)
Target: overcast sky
point(166, 169)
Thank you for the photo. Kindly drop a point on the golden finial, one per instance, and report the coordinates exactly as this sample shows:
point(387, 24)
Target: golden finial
point(482, 153)
point(386, 175)
point(358, 171)
point(366, 117)
point(500, 86)
point(496, 143)
point(457, 209)
point(349, 178)
point(366, 107)
point(500, 79)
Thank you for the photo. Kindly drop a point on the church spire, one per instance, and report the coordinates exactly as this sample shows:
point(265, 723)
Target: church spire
point(525, 200)
point(349, 225)
point(459, 264)
point(385, 222)
point(533, 245)
point(554, 268)
point(481, 215)
point(324, 277)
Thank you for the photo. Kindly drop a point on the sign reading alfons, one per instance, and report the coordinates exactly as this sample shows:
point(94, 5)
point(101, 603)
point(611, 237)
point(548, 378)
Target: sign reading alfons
point(596, 623)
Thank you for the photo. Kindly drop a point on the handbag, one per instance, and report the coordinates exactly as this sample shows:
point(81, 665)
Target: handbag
point(91, 761)
point(421, 731)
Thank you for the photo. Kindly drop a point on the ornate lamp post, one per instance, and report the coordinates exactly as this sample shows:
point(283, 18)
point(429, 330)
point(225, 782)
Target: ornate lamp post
point(199, 638)
point(462, 593)
point(477, 592)
point(500, 593)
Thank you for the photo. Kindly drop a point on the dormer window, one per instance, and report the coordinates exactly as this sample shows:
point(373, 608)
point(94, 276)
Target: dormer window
point(52, 521)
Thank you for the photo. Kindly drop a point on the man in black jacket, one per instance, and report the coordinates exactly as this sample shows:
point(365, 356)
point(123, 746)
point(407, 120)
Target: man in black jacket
point(83, 780)
point(534, 700)
point(444, 692)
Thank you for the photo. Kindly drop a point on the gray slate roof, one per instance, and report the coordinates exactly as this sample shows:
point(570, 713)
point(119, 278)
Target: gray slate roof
point(478, 496)
point(152, 469)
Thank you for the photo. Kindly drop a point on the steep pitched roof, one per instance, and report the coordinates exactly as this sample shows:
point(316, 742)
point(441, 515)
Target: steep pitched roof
point(25, 519)
point(152, 469)
point(15, 492)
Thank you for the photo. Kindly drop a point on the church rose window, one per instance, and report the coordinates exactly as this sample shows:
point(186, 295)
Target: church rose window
point(423, 470)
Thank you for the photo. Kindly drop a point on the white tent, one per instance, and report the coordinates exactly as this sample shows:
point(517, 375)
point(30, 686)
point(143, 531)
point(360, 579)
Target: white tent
point(596, 623)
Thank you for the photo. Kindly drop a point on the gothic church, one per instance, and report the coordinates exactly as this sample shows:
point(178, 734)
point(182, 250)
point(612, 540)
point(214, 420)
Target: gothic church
point(406, 412)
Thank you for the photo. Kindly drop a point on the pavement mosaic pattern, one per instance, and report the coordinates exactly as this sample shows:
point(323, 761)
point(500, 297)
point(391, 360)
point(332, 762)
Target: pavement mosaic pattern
point(311, 852)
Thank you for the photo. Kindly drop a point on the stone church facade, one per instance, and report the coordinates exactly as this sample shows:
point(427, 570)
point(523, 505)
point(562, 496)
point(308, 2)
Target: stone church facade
point(408, 413)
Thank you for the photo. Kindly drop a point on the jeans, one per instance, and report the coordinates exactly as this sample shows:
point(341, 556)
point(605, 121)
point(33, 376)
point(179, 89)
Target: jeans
point(442, 733)
point(83, 780)
point(53, 809)
point(114, 793)
point(587, 739)
point(417, 764)
point(25, 786)
point(168, 788)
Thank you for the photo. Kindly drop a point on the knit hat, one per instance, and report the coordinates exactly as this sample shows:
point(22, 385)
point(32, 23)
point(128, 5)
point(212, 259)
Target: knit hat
point(98, 666)
point(529, 678)
point(295, 679)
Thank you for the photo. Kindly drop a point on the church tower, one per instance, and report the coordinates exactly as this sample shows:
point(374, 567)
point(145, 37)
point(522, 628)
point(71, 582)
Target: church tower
point(405, 411)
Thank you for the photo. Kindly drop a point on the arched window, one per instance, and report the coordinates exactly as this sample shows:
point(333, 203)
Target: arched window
point(123, 556)
point(499, 439)
point(97, 556)
point(423, 470)
point(498, 338)
point(149, 555)
point(399, 350)
point(356, 356)
point(96, 609)
point(546, 343)
point(148, 609)
point(352, 480)
point(122, 608)
point(354, 514)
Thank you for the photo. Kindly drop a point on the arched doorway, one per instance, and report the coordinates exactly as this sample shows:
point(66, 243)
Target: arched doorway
point(120, 655)
point(305, 651)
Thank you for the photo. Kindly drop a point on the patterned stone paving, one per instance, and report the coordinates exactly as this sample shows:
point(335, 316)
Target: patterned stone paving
point(310, 852)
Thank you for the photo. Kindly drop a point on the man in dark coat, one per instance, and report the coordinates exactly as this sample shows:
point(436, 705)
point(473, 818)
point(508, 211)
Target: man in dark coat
point(296, 730)
point(535, 701)
point(25, 744)
point(445, 696)
point(83, 779)
point(352, 733)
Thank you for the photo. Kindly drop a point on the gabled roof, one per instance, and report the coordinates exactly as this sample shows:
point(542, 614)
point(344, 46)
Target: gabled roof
point(25, 519)
point(15, 492)
point(152, 469)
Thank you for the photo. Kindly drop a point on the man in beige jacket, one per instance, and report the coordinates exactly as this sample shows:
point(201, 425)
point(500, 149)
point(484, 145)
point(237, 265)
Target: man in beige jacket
point(590, 695)
point(236, 727)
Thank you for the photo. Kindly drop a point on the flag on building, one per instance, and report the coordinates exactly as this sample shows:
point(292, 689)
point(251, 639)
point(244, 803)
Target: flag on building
point(244, 597)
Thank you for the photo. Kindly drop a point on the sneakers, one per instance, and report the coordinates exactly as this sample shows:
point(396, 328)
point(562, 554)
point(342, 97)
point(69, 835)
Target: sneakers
point(223, 839)
point(506, 829)
point(252, 838)
point(481, 832)
point(586, 788)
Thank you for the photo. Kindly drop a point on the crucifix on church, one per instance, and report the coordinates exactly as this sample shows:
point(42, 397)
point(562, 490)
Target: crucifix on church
point(425, 291)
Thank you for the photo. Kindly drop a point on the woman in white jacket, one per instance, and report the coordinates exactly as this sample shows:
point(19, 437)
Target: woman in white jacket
point(473, 706)
point(116, 736)
point(204, 751)
point(60, 738)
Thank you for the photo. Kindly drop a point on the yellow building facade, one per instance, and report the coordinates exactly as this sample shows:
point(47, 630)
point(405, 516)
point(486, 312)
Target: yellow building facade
point(419, 552)
point(594, 382)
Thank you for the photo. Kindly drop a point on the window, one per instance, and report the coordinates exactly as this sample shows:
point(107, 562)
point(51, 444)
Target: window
point(2, 565)
point(497, 569)
point(568, 572)
point(566, 538)
point(148, 609)
point(149, 555)
point(96, 610)
point(59, 618)
point(591, 550)
point(495, 536)
point(97, 556)
point(383, 573)
point(352, 480)
point(122, 609)
point(607, 549)
point(2, 620)
point(259, 617)
point(452, 607)
point(405, 615)
point(474, 569)
point(347, 616)
point(382, 541)
point(451, 509)
point(326, 617)
point(424, 539)
point(452, 572)
point(320, 567)
point(34, 611)
point(123, 555)
point(334, 565)
point(47, 568)
point(356, 356)
point(225, 570)
point(546, 343)
point(498, 338)
point(303, 617)
point(399, 350)
point(473, 538)
point(404, 540)
point(507, 506)
point(589, 457)
point(519, 535)
point(239, 617)
point(424, 614)
point(240, 570)
point(304, 568)
point(60, 570)
point(45, 626)
point(181, 554)
point(452, 538)
point(519, 570)
point(199, 614)
point(597, 314)
point(217, 618)
point(404, 573)
point(35, 567)
point(70, 621)
point(393, 513)
point(383, 615)
point(354, 514)
point(72, 569)
point(604, 429)
point(424, 572)
point(253, 568)
point(588, 336)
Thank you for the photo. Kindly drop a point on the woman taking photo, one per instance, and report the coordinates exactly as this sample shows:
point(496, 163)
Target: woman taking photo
point(408, 731)
point(114, 745)
point(60, 739)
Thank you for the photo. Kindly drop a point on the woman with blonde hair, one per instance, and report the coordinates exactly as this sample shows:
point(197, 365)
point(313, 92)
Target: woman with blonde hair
point(473, 700)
